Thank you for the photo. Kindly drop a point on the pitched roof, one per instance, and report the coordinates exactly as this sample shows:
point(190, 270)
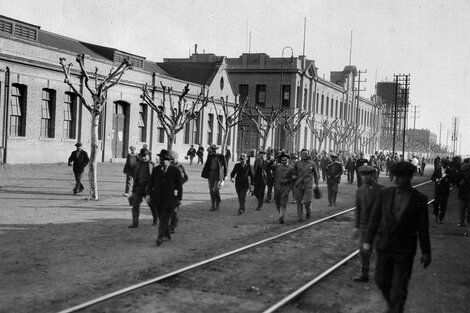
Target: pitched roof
point(196, 72)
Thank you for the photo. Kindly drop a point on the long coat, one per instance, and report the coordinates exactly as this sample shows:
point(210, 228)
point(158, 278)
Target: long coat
point(399, 235)
point(165, 188)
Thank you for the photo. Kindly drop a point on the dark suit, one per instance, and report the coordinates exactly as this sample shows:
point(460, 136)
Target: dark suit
point(242, 184)
point(365, 199)
point(397, 227)
point(80, 160)
point(215, 170)
point(259, 180)
point(166, 190)
point(441, 192)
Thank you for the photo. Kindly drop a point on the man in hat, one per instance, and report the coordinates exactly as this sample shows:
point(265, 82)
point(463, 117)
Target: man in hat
point(200, 155)
point(399, 219)
point(307, 174)
point(191, 154)
point(129, 168)
point(215, 170)
point(283, 177)
point(463, 181)
point(165, 189)
point(242, 174)
point(334, 170)
point(360, 162)
point(442, 178)
point(142, 173)
point(80, 160)
point(260, 178)
point(365, 197)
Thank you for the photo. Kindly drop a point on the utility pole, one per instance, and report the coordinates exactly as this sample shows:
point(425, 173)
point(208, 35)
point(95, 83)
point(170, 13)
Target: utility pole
point(357, 105)
point(440, 131)
point(455, 133)
point(414, 115)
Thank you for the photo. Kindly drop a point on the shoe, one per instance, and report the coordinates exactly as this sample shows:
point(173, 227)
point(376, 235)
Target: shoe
point(133, 226)
point(126, 194)
point(281, 220)
point(212, 208)
point(74, 192)
point(361, 278)
point(240, 212)
point(307, 215)
point(217, 205)
point(159, 242)
point(258, 208)
point(172, 230)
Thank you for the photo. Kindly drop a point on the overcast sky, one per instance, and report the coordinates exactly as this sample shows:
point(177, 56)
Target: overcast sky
point(427, 39)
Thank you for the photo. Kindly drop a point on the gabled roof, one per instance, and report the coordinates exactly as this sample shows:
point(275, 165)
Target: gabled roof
point(201, 73)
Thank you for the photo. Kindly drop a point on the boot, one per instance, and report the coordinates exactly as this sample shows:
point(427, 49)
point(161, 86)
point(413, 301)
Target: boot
point(307, 210)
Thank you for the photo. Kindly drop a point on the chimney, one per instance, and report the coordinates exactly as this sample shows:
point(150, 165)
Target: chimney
point(195, 48)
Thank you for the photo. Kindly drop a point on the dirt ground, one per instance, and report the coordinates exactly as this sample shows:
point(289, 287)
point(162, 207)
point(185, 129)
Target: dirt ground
point(59, 249)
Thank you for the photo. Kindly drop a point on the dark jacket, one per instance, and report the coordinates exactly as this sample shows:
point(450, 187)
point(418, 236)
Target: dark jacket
point(241, 174)
point(222, 166)
point(399, 235)
point(80, 160)
point(365, 199)
point(143, 171)
point(443, 186)
point(131, 162)
point(165, 188)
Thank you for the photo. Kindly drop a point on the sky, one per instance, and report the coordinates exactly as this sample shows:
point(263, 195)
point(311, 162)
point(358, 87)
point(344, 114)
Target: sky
point(427, 39)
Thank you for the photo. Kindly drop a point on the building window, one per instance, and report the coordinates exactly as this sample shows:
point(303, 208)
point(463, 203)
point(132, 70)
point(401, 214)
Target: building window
point(210, 130)
point(341, 109)
point(197, 123)
point(70, 115)
point(327, 106)
point(243, 91)
point(322, 103)
point(47, 113)
point(336, 108)
point(142, 123)
point(161, 135)
point(285, 96)
point(317, 102)
point(187, 132)
point(261, 95)
point(18, 110)
point(305, 98)
point(220, 131)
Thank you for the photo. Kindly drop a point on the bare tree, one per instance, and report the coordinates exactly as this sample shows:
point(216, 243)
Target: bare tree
point(264, 122)
point(339, 132)
point(174, 116)
point(99, 95)
point(229, 118)
point(323, 131)
point(291, 123)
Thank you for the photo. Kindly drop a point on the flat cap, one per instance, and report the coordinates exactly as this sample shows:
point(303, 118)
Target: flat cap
point(403, 168)
point(366, 169)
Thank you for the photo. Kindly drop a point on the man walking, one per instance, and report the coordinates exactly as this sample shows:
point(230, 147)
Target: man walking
point(283, 177)
point(242, 174)
point(365, 198)
point(334, 170)
point(307, 173)
point(129, 168)
point(165, 189)
point(184, 178)
point(80, 160)
point(399, 219)
point(360, 162)
point(442, 178)
point(215, 170)
point(191, 154)
point(260, 178)
point(143, 170)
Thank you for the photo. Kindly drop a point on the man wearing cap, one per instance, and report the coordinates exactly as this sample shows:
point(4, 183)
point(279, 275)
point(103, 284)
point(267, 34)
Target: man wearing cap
point(307, 173)
point(334, 170)
point(142, 173)
point(260, 178)
point(191, 154)
point(242, 174)
point(80, 160)
point(215, 170)
point(360, 162)
point(399, 220)
point(165, 189)
point(283, 177)
point(129, 167)
point(442, 178)
point(365, 198)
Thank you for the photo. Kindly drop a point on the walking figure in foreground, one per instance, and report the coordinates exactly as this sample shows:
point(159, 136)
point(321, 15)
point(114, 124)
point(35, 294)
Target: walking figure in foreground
point(399, 219)
point(215, 170)
point(80, 160)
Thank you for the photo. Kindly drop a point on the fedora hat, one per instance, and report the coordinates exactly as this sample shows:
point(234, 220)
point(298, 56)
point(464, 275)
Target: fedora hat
point(165, 154)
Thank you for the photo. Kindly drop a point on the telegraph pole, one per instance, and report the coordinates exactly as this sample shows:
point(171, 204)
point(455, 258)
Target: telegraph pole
point(357, 105)
point(455, 133)
point(414, 115)
point(440, 130)
point(401, 99)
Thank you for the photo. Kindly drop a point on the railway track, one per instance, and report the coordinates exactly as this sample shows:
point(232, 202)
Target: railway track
point(224, 273)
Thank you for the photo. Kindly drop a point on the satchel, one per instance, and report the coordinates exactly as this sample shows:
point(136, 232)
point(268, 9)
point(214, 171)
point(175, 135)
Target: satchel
point(317, 193)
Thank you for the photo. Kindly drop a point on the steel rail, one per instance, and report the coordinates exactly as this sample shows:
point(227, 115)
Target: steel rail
point(305, 287)
point(198, 264)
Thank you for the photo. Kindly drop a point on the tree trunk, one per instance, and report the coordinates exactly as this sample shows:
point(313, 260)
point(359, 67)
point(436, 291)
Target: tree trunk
point(93, 165)
point(265, 137)
point(224, 141)
point(171, 140)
